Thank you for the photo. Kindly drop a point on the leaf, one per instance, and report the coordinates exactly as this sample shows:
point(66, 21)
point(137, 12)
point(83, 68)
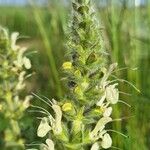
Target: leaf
point(77, 138)
point(74, 5)
point(83, 9)
point(91, 59)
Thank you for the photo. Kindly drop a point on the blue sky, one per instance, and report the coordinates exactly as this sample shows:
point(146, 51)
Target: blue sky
point(13, 2)
point(17, 2)
point(23, 2)
point(139, 2)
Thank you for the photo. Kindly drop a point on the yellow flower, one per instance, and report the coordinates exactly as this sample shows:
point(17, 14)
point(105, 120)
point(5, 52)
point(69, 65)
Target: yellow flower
point(99, 110)
point(77, 73)
point(78, 91)
point(106, 111)
point(67, 65)
point(67, 107)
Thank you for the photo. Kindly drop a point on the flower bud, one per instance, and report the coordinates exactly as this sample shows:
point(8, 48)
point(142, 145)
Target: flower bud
point(67, 65)
point(67, 107)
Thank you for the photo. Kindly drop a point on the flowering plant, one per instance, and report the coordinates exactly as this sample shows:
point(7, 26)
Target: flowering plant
point(13, 73)
point(79, 120)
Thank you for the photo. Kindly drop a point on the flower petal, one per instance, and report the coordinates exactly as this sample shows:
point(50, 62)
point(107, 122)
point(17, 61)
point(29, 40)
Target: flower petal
point(14, 37)
point(27, 62)
point(99, 126)
point(100, 102)
point(107, 112)
point(95, 146)
point(112, 94)
point(106, 141)
point(58, 116)
point(43, 127)
point(50, 144)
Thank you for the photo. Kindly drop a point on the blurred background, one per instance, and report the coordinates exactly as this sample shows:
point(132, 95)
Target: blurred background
point(126, 31)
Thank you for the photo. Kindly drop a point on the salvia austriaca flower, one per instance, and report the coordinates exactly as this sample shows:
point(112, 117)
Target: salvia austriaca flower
point(80, 120)
point(13, 73)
